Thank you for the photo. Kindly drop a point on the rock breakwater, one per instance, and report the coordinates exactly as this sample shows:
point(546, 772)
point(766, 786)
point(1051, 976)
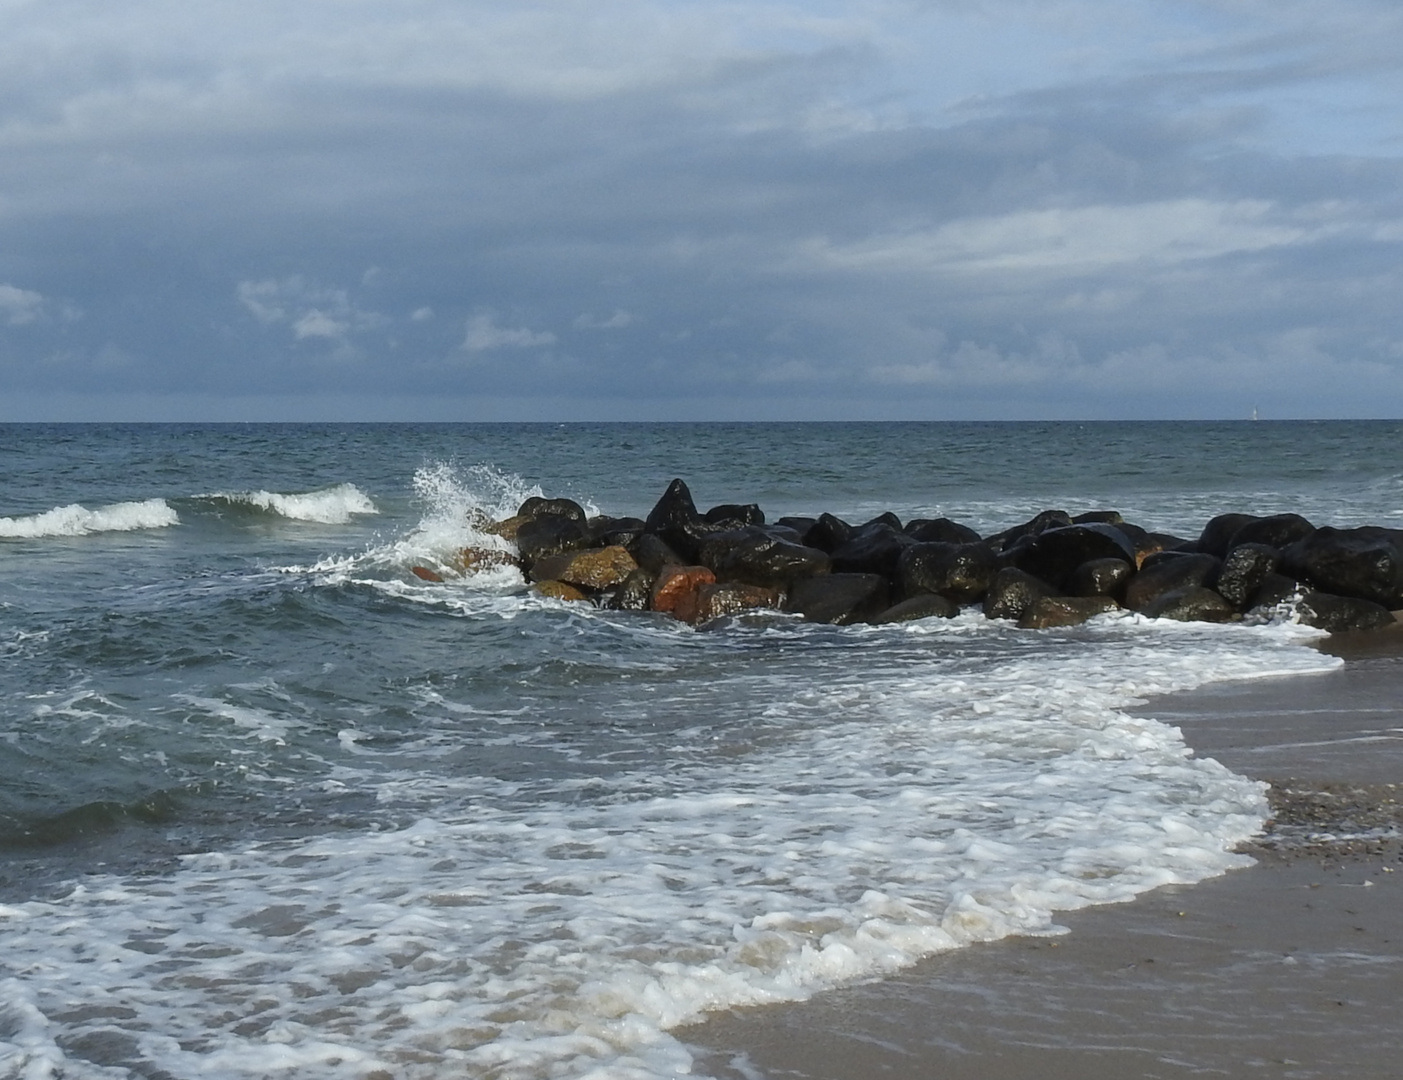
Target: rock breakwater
point(1056, 569)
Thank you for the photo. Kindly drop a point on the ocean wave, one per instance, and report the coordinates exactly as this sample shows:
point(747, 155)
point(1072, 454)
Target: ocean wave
point(328, 506)
point(76, 520)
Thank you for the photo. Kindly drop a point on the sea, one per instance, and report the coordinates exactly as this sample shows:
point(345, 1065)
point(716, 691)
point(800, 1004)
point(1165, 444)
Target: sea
point(271, 805)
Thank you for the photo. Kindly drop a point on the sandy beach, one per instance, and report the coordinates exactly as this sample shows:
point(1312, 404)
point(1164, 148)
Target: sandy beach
point(1290, 968)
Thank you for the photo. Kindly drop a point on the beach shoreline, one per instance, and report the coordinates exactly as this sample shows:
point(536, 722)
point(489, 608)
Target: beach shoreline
point(1289, 968)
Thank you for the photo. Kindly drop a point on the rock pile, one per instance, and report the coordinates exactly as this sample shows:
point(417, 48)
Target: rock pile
point(1055, 570)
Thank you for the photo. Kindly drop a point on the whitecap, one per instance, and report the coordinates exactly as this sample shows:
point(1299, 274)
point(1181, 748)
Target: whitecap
point(328, 506)
point(76, 520)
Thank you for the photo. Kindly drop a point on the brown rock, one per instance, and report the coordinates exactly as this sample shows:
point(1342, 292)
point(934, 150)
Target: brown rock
point(425, 573)
point(1049, 611)
point(731, 598)
point(471, 560)
point(506, 529)
point(559, 590)
point(677, 588)
point(595, 569)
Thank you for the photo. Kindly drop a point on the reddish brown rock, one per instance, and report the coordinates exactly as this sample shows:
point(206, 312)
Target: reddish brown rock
point(471, 560)
point(677, 588)
point(424, 573)
point(506, 529)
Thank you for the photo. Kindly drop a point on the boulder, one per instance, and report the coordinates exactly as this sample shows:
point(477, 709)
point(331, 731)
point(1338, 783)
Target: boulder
point(838, 598)
point(732, 598)
point(423, 573)
point(1218, 533)
point(676, 591)
point(1366, 563)
point(1191, 603)
point(1098, 517)
point(652, 553)
point(925, 606)
point(675, 520)
point(537, 507)
point(505, 528)
point(472, 560)
point(634, 593)
point(607, 531)
point(550, 534)
point(1276, 589)
point(1054, 554)
point(596, 568)
point(828, 533)
point(1100, 577)
point(754, 556)
point(1048, 519)
point(1244, 570)
point(959, 572)
point(941, 531)
point(800, 525)
point(732, 515)
point(1162, 574)
point(1050, 611)
point(1276, 531)
point(1012, 592)
point(873, 549)
point(1336, 614)
point(886, 517)
point(559, 590)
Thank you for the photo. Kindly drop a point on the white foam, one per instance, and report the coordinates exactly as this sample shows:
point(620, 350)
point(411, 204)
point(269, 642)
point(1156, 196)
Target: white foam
point(329, 506)
point(76, 520)
point(967, 783)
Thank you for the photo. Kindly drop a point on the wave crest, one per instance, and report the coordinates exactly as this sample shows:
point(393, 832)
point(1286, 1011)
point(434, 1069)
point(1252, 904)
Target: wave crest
point(76, 520)
point(328, 506)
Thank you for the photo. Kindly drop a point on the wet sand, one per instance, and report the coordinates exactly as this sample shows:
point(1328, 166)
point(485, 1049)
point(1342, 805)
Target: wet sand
point(1291, 968)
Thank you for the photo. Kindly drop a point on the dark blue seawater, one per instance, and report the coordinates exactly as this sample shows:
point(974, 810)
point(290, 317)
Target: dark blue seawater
point(271, 804)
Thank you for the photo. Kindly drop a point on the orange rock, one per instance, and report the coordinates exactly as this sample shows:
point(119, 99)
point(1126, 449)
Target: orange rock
point(425, 573)
point(559, 590)
point(676, 590)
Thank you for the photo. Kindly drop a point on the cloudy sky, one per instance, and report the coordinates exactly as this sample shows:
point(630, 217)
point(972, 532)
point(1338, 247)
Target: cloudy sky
point(700, 209)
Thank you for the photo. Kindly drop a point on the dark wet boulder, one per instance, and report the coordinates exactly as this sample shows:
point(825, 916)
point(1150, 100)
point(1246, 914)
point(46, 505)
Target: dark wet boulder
point(1366, 563)
point(634, 593)
point(550, 534)
point(592, 568)
point(605, 531)
point(1244, 570)
point(1048, 519)
point(959, 572)
point(559, 590)
point(1100, 577)
point(886, 517)
point(940, 531)
point(873, 549)
point(1218, 533)
point(1191, 603)
point(839, 598)
point(1337, 614)
point(1098, 517)
point(674, 518)
point(754, 556)
point(1050, 611)
point(1278, 531)
point(1012, 592)
point(537, 507)
point(1169, 542)
point(1147, 543)
point(1054, 554)
point(726, 598)
point(828, 533)
point(926, 606)
point(1274, 590)
point(734, 514)
point(799, 524)
point(653, 553)
point(1164, 573)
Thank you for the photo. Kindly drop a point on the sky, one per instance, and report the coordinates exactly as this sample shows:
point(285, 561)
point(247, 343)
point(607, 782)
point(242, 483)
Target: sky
point(700, 210)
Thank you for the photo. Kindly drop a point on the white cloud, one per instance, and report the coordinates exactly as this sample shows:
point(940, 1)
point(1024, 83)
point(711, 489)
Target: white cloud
point(1075, 239)
point(616, 321)
point(423, 314)
point(483, 334)
point(317, 323)
point(19, 306)
point(309, 310)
